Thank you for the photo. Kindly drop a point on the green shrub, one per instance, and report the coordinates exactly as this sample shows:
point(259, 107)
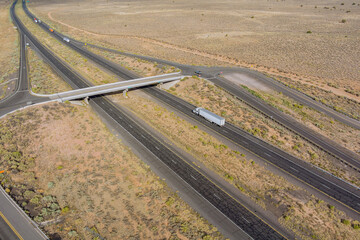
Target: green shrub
point(65, 209)
point(345, 221)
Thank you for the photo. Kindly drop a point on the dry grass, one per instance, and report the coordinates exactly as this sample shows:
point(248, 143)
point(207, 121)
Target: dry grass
point(97, 183)
point(319, 122)
point(270, 191)
point(326, 96)
point(89, 70)
point(142, 67)
point(270, 34)
point(9, 51)
point(202, 93)
point(42, 79)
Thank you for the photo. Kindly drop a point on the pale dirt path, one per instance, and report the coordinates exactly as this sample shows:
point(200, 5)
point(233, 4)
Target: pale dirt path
point(225, 59)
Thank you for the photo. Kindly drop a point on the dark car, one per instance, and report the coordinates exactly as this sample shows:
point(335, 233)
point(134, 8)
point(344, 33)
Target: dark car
point(198, 73)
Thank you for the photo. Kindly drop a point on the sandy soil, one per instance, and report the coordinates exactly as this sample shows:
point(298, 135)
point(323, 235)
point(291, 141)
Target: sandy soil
point(292, 205)
point(9, 51)
point(42, 79)
point(201, 93)
point(63, 154)
point(269, 35)
point(243, 79)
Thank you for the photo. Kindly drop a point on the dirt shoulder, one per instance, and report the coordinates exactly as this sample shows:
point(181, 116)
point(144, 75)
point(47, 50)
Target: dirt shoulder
point(42, 78)
point(266, 36)
point(62, 163)
point(281, 199)
point(9, 52)
point(204, 94)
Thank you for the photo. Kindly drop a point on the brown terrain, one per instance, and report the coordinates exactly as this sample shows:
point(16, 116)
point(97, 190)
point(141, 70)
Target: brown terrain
point(9, 51)
point(98, 187)
point(293, 206)
point(309, 41)
point(63, 165)
point(42, 79)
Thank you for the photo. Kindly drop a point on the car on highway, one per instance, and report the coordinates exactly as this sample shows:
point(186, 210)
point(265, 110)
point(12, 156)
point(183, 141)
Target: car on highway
point(198, 73)
point(66, 39)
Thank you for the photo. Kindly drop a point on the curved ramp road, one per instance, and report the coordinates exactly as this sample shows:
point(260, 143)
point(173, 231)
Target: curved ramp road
point(325, 183)
point(344, 154)
point(232, 209)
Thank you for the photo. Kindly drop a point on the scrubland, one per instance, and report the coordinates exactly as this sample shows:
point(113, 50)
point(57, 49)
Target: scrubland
point(42, 78)
point(293, 206)
point(65, 167)
point(9, 51)
point(203, 93)
point(311, 40)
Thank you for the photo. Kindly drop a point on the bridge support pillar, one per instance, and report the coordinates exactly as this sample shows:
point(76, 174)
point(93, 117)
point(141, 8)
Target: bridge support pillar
point(160, 85)
point(86, 100)
point(125, 93)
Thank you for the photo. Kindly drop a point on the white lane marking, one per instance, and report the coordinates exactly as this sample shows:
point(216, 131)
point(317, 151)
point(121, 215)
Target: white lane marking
point(294, 169)
point(267, 154)
point(217, 196)
point(174, 161)
point(142, 136)
point(225, 131)
point(325, 186)
point(120, 117)
point(110, 109)
point(130, 126)
point(244, 142)
point(193, 177)
point(246, 220)
point(157, 148)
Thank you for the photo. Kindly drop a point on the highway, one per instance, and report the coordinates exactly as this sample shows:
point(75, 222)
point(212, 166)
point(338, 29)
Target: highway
point(227, 205)
point(212, 74)
point(115, 87)
point(325, 183)
point(14, 223)
point(343, 154)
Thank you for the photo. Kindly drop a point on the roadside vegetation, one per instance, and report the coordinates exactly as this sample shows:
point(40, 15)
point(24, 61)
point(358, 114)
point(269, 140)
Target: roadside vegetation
point(319, 122)
point(142, 67)
point(86, 68)
point(9, 52)
point(42, 78)
point(293, 206)
point(203, 93)
point(75, 178)
point(339, 103)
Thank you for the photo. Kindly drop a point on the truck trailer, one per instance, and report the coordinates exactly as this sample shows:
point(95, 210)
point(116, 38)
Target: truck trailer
point(211, 117)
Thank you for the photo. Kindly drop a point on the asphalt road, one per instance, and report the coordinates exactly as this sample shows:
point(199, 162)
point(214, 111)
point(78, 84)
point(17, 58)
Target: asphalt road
point(21, 97)
point(325, 183)
point(275, 85)
point(14, 224)
point(343, 154)
point(212, 74)
point(223, 202)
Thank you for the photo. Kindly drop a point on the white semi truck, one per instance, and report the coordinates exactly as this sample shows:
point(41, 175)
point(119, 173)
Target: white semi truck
point(211, 117)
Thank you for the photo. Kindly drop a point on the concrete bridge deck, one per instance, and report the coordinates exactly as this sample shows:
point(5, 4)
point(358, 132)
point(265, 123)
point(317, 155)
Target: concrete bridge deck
point(115, 87)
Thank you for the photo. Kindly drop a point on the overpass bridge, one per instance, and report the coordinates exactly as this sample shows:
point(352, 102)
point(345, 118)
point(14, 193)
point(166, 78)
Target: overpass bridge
point(115, 87)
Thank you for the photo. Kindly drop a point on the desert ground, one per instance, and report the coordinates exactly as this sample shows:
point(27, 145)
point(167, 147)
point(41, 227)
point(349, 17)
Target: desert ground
point(312, 45)
point(312, 41)
point(9, 51)
point(97, 187)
